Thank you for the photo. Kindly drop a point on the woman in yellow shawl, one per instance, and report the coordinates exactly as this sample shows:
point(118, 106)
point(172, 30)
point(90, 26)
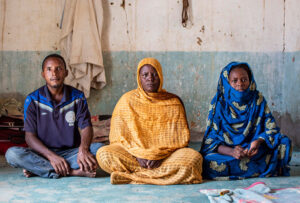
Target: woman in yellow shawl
point(149, 135)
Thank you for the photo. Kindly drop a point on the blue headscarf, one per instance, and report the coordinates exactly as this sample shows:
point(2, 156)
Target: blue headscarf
point(238, 118)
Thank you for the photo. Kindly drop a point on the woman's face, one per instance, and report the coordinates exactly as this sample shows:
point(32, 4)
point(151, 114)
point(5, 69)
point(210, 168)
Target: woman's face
point(239, 79)
point(149, 78)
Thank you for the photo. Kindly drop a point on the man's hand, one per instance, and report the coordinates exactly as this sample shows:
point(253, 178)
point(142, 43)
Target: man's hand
point(86, 160)
point(149, 164)
point(254, 146)
point(60, 165)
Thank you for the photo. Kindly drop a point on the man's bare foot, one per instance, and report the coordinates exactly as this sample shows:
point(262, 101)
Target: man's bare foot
point(78, 172)
point(28, 174)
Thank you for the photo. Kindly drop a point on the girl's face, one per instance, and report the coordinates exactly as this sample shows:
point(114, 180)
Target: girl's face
point(239, 79)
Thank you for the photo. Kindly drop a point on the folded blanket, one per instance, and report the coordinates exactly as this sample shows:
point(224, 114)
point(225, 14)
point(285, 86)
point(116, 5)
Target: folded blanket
point(101, 128)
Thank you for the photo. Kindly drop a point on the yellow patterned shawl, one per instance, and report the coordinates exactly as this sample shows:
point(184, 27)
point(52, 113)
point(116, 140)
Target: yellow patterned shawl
point(149, 125)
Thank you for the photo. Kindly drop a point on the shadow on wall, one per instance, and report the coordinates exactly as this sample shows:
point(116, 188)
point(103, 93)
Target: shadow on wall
point(289, 127)
point(16, 95)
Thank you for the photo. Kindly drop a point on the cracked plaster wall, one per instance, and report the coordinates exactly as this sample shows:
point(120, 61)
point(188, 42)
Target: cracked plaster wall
point(265, 33)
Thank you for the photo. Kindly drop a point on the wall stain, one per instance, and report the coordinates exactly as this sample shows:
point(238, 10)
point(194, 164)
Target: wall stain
point(3, 24)
point(283, 37)
point(202, 29)
point(199, 41)
point(127, 24)
point(123, 4)
point(193, 124)
point(288, 126)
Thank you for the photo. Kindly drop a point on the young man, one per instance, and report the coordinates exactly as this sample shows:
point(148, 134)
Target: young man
point(57, 129)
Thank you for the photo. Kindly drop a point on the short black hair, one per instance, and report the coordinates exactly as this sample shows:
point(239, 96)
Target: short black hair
point(242, 66)
point(54, 56)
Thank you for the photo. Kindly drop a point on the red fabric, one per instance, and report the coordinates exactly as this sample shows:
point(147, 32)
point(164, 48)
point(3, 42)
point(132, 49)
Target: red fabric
point(10, 136)
point(5, 145)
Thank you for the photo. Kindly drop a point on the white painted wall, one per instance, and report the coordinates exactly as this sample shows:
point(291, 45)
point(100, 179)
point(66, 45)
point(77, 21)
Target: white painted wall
point(155, 25)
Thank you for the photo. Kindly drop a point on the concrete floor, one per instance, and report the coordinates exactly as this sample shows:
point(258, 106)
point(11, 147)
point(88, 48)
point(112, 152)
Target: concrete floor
point(14, 187)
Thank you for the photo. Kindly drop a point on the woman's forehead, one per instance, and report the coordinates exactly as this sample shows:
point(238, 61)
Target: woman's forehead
point(238, 72)
point(147, 67)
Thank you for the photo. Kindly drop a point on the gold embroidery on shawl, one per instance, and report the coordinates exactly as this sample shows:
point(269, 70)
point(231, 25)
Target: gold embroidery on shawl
point(246, 131)
point(268, 157)
point(271, 131)
point(221, 87)
point(227, 138)
point(252, 86)
point(243, 164)
point(233, 114)
point(215, 127)
point(237, 125)
point(271, 126)
point(208, 141)
point(281, 149)
point(260, 99)
point(207, 123)
point(219, 168)
point(211, 106)
point(271, 139)
point(225, 73)
point(267, 110)
point(257, 121)
point(241, 108)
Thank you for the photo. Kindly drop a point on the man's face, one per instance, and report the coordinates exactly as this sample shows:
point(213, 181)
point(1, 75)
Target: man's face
point(54, 72)
point(149, 78)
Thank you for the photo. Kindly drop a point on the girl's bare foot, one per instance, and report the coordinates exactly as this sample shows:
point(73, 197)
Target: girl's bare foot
point(78, 172)
point(28, 174)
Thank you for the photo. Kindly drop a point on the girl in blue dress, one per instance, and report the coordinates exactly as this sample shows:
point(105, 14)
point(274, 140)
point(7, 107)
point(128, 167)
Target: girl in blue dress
point(242, 139)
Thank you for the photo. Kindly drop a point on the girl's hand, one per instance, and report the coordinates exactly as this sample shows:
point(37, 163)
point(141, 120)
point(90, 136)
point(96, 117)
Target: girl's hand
point(254, 147)
point(238, 152)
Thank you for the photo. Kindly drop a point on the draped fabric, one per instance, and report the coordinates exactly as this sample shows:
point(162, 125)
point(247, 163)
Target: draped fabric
point(80, 44)
point(150, 126)
point(238, 118)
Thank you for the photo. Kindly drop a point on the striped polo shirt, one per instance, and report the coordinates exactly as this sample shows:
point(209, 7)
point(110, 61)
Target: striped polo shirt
point(56, 125)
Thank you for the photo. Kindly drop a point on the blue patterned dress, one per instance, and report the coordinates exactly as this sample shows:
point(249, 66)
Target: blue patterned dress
point(239, 118)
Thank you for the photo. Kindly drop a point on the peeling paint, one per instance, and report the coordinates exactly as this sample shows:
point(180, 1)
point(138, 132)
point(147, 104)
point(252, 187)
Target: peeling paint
point(199, 41)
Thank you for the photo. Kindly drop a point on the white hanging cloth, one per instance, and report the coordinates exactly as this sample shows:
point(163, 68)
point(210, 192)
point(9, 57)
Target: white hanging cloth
point(80, 44)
